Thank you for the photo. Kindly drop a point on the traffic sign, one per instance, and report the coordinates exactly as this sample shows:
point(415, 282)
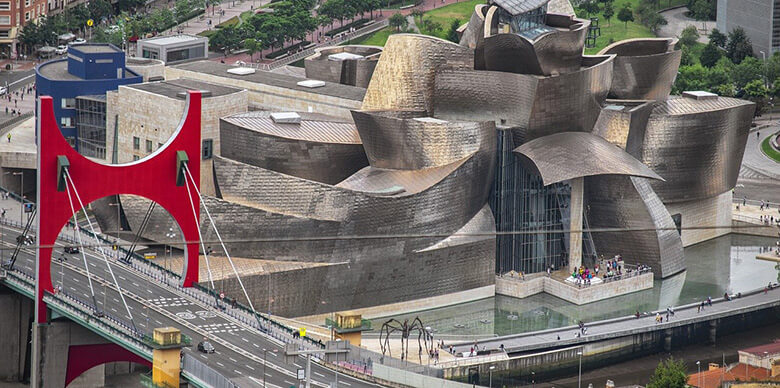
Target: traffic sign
point(301, 374)
point(90, 22)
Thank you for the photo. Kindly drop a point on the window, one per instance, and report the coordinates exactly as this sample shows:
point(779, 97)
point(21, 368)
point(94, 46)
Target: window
point(136, 143)
point(65, 122)
point(208, 149)
point(26, 16)
point(4, 33)
point(148, 146)
point(5, 20)
point(136, 157)
point(5, 5)
point(26, 3)
point(159, 145)
point(68, 103)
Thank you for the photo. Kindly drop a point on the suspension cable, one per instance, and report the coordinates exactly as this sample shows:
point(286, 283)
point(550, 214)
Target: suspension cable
point(103, 253)
point(224, 248)
point(200, 239)
point(81, 246)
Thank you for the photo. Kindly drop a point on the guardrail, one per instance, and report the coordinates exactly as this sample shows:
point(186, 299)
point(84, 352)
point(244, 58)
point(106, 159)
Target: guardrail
point(14, 121)
point(195, 369)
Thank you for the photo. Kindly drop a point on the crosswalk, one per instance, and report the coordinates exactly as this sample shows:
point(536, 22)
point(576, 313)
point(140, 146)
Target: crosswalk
point(169, 302)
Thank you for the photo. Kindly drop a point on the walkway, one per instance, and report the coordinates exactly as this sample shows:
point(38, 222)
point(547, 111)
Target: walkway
point(677, 21)
point(755, 160)
point(232, 9)
point(618, 327)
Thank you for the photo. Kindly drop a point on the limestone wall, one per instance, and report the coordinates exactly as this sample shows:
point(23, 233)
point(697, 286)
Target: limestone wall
point(705, 213)
point(518, 288)
point(155, 117)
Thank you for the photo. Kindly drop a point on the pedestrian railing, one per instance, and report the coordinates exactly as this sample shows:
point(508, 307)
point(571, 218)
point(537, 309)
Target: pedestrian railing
point(193, 368)
point(15, 121)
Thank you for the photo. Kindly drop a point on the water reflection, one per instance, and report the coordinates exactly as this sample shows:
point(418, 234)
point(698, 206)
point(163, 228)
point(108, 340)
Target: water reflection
point(724, 264)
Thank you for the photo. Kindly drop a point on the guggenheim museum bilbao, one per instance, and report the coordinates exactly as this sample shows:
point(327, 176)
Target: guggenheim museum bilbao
point(471, 159)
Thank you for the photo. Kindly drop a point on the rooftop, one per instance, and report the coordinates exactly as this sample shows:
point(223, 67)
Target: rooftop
point(273, 79)
point(164, 40)
point(175, 88)
point(677, 105)
point(313, 127)
point(516, 7)
point(773, 348)
point(715, 377)
point(58, 70)
point(95, 48)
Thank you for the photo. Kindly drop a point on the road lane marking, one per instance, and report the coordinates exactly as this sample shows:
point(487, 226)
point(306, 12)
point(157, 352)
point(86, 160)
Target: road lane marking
point(250, 368)
point(319, 374)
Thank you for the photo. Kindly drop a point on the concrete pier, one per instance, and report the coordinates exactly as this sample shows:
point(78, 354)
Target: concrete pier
point(14, 335)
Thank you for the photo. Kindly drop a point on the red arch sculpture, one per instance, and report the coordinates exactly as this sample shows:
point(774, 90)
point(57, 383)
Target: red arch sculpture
point(82, 358)
point(154, 177)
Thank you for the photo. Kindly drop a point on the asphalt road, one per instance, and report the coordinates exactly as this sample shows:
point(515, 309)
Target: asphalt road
point(195, 319)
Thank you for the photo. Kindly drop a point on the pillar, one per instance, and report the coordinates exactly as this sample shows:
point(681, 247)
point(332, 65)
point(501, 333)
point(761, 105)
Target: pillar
point(668, 340)
point(575, 224)
point(166, 357)
point(713, 331)
point(14, 334)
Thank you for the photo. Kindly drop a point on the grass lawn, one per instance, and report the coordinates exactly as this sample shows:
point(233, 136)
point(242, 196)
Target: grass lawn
point(445, 15)
point(615, 30)
point(769, 150)
point(378, 38)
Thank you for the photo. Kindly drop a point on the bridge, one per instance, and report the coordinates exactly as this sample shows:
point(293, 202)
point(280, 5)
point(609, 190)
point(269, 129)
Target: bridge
point(548, 352)
point(122, 301)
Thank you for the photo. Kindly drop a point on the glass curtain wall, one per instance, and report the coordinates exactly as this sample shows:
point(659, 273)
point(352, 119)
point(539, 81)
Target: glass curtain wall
point(91, 126)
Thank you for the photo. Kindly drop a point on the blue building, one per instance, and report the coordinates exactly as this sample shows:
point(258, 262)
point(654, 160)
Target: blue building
point(78, 85)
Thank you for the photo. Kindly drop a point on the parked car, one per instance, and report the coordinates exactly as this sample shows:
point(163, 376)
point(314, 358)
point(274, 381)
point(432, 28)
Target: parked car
point(3, 90)
point(71, 250)
point(206, 347)
point(25, 240)
point(61, 49)
point(77, 42)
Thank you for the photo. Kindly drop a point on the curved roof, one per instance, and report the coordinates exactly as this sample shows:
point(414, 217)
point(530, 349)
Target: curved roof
point(567, 155)
point(312, 128)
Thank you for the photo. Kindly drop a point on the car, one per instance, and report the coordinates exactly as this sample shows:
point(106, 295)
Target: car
point(3, 90)
point(71, 250)
point(77, 42)
point(206, 347)
point(61, 49)
point(25, 240)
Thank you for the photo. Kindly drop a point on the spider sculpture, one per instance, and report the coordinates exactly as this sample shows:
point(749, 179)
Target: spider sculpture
point(405, 328)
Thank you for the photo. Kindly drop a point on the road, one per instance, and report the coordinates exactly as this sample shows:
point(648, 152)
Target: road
point(169, 307)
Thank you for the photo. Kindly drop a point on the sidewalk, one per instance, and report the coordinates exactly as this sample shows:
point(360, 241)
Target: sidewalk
point(755, 159)
point(201, 22)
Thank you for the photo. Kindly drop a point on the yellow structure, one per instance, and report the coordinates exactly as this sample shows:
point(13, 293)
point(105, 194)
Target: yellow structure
point(348, 326)
point(166, 357)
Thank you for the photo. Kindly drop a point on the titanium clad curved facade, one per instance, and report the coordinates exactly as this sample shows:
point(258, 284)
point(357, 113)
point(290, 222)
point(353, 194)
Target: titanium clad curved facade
point(623, 124)
point(622, 202)
point(404, 77)
point(414, 143)
point(537, 106)
point(323, 151)
point(351, 71)
point(558, 51)
point(644, 69)
point(473, 36)
point(696, 145)
point(570, 155)
point(561, 7)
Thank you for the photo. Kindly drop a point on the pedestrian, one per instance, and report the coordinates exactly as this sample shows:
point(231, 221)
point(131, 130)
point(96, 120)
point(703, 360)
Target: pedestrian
point(709, 301)
point(9, 137)
point(6, 111)
point(698, 309)
point(758, 134)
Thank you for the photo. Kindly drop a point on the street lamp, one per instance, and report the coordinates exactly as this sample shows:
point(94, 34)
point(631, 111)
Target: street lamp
point(490, 375)
point(698, 374)
point(763, 56)
point(118, 217)
point(533, 379)
point(579, 375)
point(265, 357)
point(170, 235)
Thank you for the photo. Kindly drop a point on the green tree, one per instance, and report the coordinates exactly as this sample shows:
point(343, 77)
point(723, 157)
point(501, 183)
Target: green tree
point(99, 9)
point(726, 90)
point(430, 27)
point(738, 46)
point(398, 21)
point(691, 78)
point(590, 7)
point(654, 21)
point(718, 38)
point(748, 70)
point(700, 10)
point(182, 9)
point(669, 374)
point(689, 36)
point(625, 15)
point(686, 58)
point(452, 34)
point(608, 12)
point(129, 5)
point(251, 46)
point(710, 55)
point(757, 92)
